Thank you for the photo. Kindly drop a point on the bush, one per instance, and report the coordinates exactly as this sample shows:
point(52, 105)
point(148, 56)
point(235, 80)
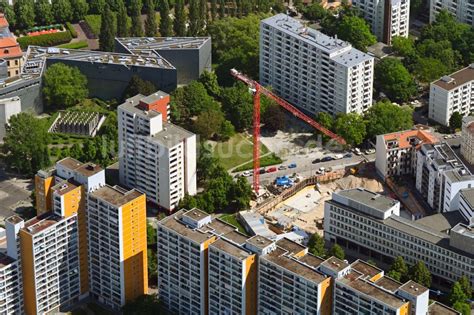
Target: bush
point(76, 45)
point(94, 21)
point(71, 29)
point(45, 40)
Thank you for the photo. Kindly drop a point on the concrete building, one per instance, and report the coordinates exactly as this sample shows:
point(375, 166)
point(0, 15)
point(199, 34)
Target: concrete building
point(8, 108)
point(191, 56)
point(10, 50)
point(370, 223)
point(396, 152)
point(156, 157)
point(313, 71)
point(463, 10)
point(386, 18)
point(11, 286)
point(118, 267)
point(440, 175)
point(466, 203)
point(467, 139)
point(453, 93)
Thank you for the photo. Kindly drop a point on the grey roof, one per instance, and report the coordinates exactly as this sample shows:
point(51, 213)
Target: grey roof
point(413, 288)
point(154, 97)
point(468, 195)
point(116, 195)
point(231, 249)
point(171, 135)
point(441, 222)
point(369, 198)
point(159, 43)
point(131, 106)
point(342, 51)
point(437, 308)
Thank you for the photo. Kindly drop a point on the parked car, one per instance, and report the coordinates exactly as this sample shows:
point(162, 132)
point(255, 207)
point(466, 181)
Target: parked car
point(357, 151)
point(348, 155)
point(327, 159)
point(338, 156)
point(271, 170)
point(370, 151)
point(316, 161)
point(247, 173)
point(262, 170)
point(282, 167)
point(292, 165)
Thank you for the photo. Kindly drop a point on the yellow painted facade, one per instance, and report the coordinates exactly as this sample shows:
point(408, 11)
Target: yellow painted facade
point(251, 285)
point(326, 288)
point(27, 265)
point(404, 310)
point(43, 194)
point(71, 202)
point(205, 248)
point(135, 248)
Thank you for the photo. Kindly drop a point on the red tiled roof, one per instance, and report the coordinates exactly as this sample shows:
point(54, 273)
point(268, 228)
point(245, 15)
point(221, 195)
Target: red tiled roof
point(3, 20)
point(9, 48)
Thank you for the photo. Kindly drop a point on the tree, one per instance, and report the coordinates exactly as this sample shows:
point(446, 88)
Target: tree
point(209, 80)
point(274, 118)
point(208, 123)
point(26, 143)
point(24, 13)
point(385, 117)
point(463, 308)
point(466, 286)
point(316, 245)
point(89, 151)
point(457, 294)
point(221, 9)
point(190, 101)
point(150, 21)
point(395, 275)
point(79, 9)
point(152, 260)
point(351, 127)
point(420, 274)
point(64, 86)
point(151, 234)
point(455, 121)
point(139, 86)
point(337, 252)
point(394, 80)
point(147, 304)
point(166, 25)
point(122, 28)
point(325, 120)
point(62, 10)
point(97, 6)
point(429, 69)
point(399, 269)
point(7, 9)
point(205, 162)
point(107, 30)
point(44, 13)
point(355, 30)
point(136, 11)
point(238, 106)
point(315, 11)
point(213, 9)
point(203, 14)
point(179, 19)
point(227, 130)
point(241, 193)
point(76, 151)
point(404, 46)
point(194, 18)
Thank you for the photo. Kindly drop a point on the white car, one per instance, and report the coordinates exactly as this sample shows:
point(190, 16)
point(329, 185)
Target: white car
point(357, 151)
point(247, 173)
point(370, 151)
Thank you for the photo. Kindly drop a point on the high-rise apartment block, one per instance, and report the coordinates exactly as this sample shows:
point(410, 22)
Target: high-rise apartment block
point(462, 10)
point(453, 93)
point(313, 71)
point(11, 286)
point(396, 152)
point(387, 18)
point(369, 222)
point(206, 267)
point(467, 139)
point(156, 157)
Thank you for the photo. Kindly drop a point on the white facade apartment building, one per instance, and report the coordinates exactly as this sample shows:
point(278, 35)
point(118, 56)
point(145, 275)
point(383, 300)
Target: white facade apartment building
point(156, 157)
point(467, 139)
point(463, 10)
point(387, 18)
point(440, 175)
point(370, 222)
point(453, 93)
point(466, 204)
point(396, 152)
point(11, 288)
point(313, 71)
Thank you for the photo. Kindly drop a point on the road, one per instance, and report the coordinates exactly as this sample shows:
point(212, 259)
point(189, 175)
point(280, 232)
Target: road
point(306, 168)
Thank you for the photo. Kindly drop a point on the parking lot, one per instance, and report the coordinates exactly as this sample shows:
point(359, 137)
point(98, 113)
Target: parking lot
point(14, 194)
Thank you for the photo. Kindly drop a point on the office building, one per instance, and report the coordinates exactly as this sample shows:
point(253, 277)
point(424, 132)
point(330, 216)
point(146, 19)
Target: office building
point(440, 175)
point(156, 156)
point(396, 152)
point(462, 10)
point(118, 267)
point(8, 108)
point(10, 51)
point(452, 93)
point(191, 56)
point(313, 71)
point(467, 139)
point(386, 18)
point(370, 223)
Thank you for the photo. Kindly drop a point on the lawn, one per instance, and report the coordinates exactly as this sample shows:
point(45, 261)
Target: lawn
point(76, 45)
point(231, 219)
point(268, 160)
point(237, 150)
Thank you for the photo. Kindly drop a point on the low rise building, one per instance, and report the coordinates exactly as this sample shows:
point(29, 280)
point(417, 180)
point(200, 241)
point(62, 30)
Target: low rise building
point(156, 156)
point(452, 93)
point(10, 50)
point(396, 152)
point(370, 223)
point(467, 139)
point(8, 108)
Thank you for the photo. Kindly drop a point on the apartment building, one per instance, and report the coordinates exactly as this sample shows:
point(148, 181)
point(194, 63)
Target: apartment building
point(118, 267)
point(11, 286)
point(156, 156)
point(10, 50)
point(386, 18)
point(49, 255)
point(467, 139)
point(466, 203)
point(463, 10)
point(440, 175)
point(453, 93)
point(370, 223)
point(396, 152)
point(313, 71)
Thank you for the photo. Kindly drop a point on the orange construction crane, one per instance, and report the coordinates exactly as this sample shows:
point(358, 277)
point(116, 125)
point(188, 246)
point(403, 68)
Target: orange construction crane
point(257, 89)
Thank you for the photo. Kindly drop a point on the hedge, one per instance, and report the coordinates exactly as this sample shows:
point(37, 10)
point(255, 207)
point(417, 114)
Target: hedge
point(77, 45)
point(94, 22)
point(47, 40)
point(71, 29)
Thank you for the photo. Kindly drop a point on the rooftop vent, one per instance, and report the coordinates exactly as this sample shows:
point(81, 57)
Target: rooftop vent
point(447, 79)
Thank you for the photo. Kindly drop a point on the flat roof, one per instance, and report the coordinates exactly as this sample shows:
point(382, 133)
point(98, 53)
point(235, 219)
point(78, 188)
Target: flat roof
point(40, 223)
point(437, 308)
point(365, 268)
point(369, 198)
point(14, 219)
point(159, 43)
point(171, 135)
point(441, 222)
point(236, 237)
point(196, 214)
point(311, 260)
point(335, 264)
point(63, 187)
point(259, 241)
point(5, 260)
point(388, 283)
point(231, 249)
point(456, 79)
point(413, 288)
point(290, 246)
point(116, 195)
point(70, 163)
point(410, 138)
point(85, 169)
point(131, 105)
point(172, 222)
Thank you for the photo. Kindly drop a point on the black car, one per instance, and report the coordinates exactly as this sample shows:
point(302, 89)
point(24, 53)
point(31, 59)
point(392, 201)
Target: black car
point(262, 171)
point(327, 159)
point(316, 161)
